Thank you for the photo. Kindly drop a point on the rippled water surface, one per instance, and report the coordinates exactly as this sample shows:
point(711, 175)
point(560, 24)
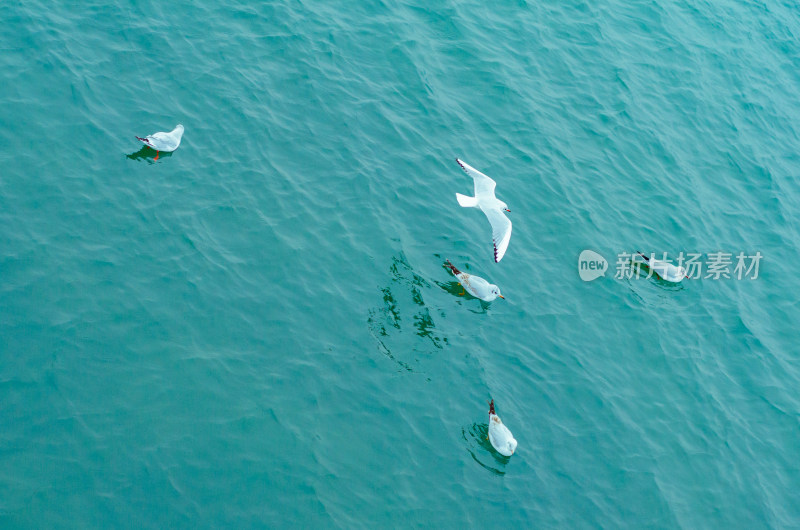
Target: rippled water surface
point(257, 329)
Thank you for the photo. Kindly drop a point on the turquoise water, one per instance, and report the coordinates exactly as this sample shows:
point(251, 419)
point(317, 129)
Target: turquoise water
point(257, 330)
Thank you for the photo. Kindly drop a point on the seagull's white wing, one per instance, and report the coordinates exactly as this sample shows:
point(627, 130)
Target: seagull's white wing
point(163, 141)
point(478, 287)
point(658, 266)
point(501, 438)
point(483, 184)
point(501, 231)
point(671, 273)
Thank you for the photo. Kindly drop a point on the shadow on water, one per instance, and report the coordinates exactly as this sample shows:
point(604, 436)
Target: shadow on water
point(481, 450)
point(455, 289)
point(402, 303)
point(147, 153)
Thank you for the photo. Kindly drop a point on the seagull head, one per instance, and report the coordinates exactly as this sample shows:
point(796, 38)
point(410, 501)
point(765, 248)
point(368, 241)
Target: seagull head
point(512, 445)
point(504, 206)
point(496, 292)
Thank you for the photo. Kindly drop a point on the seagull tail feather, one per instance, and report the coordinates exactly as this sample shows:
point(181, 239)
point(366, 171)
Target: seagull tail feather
point(467, 202)
point(452, 268)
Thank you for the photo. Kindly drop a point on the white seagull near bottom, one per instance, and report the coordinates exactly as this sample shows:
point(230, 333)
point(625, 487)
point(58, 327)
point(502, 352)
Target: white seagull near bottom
point(164, 141)
point(493, 208)
point(665, 270)
point(499, 435)
point(475, 285)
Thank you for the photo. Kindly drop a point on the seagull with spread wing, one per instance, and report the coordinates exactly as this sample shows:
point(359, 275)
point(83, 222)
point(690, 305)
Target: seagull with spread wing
point(490, 205)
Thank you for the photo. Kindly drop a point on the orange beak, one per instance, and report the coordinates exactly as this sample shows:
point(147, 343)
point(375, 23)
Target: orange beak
point(509, 211)
point(501, 296)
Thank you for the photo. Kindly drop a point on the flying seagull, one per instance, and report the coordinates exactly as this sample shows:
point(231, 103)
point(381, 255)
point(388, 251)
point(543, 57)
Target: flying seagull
point(493, 208)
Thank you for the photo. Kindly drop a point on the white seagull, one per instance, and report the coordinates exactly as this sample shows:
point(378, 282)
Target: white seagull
point(664, 269)
point(493, 208)
point(164, 141)
point(475, 285)
point(499, 435)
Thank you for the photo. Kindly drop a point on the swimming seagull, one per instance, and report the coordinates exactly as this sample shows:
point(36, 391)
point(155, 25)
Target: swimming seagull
point(664, 269)
point(164, 141)
point(476, 286)
point(499, 435)
point(493, 208)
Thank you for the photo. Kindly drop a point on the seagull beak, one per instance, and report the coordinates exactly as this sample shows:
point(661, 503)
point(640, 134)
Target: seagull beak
point(509, 211)
point(501, 296)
